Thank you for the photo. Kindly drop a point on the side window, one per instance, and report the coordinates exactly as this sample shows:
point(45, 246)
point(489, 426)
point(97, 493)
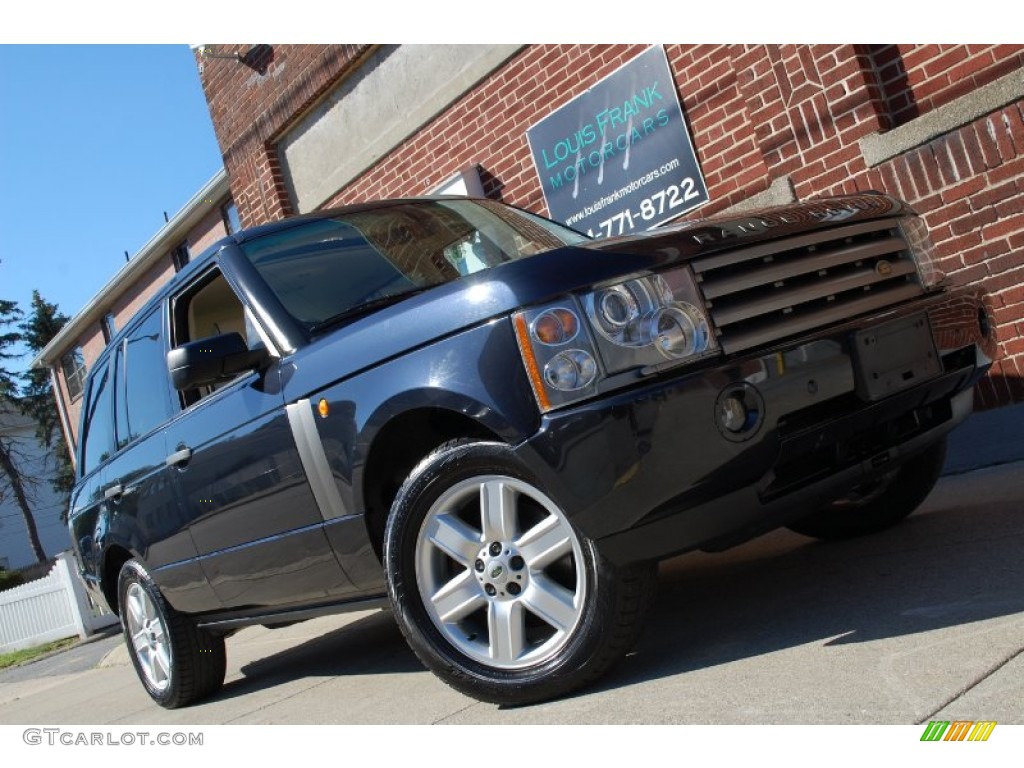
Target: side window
point(98, 421)
point(211, 308)
point(143, 403)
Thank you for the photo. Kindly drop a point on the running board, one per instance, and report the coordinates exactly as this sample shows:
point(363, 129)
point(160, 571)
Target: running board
point(224, 623)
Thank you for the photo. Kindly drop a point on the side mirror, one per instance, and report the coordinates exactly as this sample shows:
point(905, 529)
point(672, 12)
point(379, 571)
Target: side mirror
point(212, 360)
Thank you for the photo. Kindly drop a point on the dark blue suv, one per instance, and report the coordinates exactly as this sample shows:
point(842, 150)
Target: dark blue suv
point(498, 426)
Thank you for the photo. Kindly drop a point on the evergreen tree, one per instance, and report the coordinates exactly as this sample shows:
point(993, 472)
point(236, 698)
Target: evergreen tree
point(14, 482)
point(37, 396)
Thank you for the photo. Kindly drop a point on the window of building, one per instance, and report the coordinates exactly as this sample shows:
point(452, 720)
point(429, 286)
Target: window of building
point(180, 256)
point(72, 365)
point(229, 212)
point(143, 401)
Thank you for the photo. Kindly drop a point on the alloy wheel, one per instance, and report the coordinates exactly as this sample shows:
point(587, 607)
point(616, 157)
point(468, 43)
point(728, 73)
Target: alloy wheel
point(149, 637)
point(500, 572)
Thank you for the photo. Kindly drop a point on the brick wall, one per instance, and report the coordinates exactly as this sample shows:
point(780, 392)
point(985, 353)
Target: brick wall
point(756, 114)
point(137, 294)
point(253, 101)
point(209, 230)
point(915, 79)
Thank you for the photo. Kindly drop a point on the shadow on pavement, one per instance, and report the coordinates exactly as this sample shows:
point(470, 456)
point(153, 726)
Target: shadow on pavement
point(369, 646)
point(944, 567)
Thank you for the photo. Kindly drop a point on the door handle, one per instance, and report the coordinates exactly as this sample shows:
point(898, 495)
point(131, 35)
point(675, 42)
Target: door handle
point(114, 492)
point(179, 458)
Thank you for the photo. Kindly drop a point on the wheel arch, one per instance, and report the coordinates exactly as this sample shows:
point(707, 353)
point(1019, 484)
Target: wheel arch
point(397, 447)
point(114, 558)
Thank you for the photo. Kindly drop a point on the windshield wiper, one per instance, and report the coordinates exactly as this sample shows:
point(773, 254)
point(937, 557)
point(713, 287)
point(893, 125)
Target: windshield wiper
point(364, 309)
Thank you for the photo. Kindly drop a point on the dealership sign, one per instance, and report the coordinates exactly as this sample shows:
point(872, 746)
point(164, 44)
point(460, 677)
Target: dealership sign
point(618, 158)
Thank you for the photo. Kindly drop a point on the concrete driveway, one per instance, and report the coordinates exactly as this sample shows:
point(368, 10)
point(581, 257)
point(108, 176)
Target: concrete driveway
point(922, 622)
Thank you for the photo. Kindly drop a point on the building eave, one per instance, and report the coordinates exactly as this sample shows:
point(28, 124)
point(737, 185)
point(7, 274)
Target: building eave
point(167, 237)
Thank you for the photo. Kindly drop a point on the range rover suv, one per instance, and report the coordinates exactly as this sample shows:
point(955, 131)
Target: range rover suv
point(498, 426)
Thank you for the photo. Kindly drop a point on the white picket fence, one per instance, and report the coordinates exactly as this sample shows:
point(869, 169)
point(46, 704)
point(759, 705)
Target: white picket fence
point(51, 608)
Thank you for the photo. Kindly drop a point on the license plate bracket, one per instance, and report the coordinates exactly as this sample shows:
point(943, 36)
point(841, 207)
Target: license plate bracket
point(894, 356)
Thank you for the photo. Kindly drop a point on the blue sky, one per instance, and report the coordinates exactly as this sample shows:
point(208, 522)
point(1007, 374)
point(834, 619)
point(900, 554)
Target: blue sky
point(96, 142)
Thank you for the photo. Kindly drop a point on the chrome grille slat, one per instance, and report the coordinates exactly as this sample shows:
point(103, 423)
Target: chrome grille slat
point(788, 298)
point(774, 271)
point(720, 260)
point(772, 290)
point(834, 314)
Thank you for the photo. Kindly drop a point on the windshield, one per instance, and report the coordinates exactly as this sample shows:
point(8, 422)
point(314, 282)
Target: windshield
point(325, 270)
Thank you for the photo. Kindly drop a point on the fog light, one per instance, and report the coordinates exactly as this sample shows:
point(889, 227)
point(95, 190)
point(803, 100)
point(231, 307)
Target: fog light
point(739, 412)
point(732, 413)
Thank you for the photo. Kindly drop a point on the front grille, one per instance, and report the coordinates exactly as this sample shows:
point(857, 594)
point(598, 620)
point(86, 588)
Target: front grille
point(767, 292)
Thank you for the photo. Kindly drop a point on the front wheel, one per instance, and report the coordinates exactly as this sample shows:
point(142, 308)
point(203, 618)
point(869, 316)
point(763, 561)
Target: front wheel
point(495, 589)
point(177, 662)
point(880, 504)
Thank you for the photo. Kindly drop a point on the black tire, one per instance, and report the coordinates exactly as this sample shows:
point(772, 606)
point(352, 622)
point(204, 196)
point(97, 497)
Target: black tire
point(880, 504)
point(499, 647)
point(177, 662)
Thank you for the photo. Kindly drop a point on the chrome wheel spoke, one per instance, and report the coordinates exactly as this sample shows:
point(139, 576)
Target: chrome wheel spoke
point(453, 537)
point(545, 543)
point(146, 657)
point(551, 602)
point(487, 590)
point(507, 631)
point(497, 510)
point(136, 612)
point(161, 664)
point(458, 598)
point(140, 640)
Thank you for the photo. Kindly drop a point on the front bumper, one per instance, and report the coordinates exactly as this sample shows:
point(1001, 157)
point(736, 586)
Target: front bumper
point(648, 472)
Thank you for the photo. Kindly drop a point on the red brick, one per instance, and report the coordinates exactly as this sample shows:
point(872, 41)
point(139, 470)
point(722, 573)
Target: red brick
point(985, 253)
point(1003, 227)
point(917, 173)
point(971, 67)
point(1014, 124)
point(964, 189)
point(973, 222)
point(1013, 346)
point(997, 264)
point(993, 195)
point(997, 125)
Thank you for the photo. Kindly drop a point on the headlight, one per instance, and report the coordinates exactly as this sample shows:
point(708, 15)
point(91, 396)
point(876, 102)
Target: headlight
point(558, 353)
point(571, 370)
point(915, 232)
point(647, 322)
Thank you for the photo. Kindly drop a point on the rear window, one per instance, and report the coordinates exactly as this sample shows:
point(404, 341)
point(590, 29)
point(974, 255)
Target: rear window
point(325, 268)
